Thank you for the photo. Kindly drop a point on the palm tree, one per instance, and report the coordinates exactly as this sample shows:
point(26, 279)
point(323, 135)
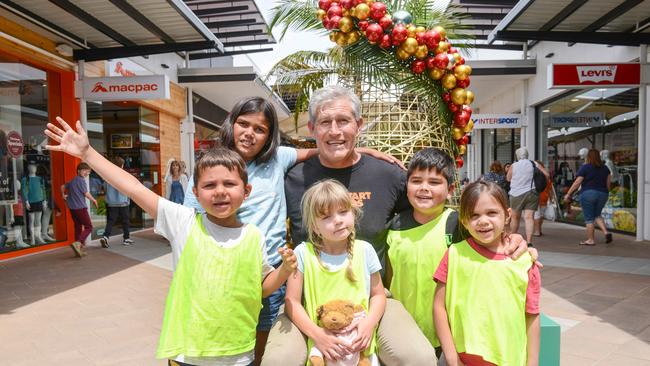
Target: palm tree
point(403, 111)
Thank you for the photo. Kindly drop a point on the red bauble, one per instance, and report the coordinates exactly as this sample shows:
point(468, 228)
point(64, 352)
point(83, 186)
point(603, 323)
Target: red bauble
point(334, 22)
point(334, 11)
point(461, 61)
point(430, 62)
point(461, 118)
point(326, 22)
point(452, 50)
point(432, 38)
point(357, 2)
point(377, 10)
point(346, 4)
point(452, 107)
point(463, 140)
point(363, 25)
point(374, 32)
point(386, 22)
point(399, 34)
point(459, 162)
point(441, 60)
point(324, 4)
point(419, 36)
point(467, 109)
point(446, 97)
point(418, 66)
point(462, 83)
point(386, 41)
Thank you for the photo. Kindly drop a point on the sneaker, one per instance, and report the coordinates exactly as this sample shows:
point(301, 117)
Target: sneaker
point(76, 247)
point(104, 241)
point(128, 242)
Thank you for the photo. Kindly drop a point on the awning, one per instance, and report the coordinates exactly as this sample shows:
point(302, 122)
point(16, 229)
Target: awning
point(226, 86)
point(611, 22)
point(477, 18)
point(104, 29)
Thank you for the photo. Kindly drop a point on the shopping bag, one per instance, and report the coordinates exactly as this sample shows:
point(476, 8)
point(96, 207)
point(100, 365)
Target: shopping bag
point(549, 212)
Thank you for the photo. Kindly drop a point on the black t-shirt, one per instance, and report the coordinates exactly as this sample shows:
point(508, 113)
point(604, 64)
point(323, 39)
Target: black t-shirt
point(405, 221)
point(378, 185)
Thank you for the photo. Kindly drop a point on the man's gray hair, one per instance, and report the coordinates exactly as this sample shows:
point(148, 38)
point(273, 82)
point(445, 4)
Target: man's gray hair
point(329, 94)
point(521, 153)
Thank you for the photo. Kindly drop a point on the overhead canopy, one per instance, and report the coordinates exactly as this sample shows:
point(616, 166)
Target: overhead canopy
point(612, 22)
point(104, 29)
point(477, 18)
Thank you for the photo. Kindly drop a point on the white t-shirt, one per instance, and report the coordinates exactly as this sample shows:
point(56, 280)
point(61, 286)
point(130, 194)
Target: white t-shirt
point(522, 177)
point(175, 222)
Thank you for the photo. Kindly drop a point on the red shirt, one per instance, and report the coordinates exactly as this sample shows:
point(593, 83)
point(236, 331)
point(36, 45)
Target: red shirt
point(532, 292)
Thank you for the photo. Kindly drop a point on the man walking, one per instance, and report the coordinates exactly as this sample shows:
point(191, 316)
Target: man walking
point(117, 205)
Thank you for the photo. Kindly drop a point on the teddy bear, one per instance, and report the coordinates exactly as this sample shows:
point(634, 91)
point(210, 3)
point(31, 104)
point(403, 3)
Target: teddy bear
point(337, 316)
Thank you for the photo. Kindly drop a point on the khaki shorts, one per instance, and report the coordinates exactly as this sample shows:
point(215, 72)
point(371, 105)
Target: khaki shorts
point(526, 201)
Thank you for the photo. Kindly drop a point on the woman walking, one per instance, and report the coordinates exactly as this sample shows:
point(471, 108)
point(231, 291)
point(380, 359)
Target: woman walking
point(594, 180)
point(176, 183)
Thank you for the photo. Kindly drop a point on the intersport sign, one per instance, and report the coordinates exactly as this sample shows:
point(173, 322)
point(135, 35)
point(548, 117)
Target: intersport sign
point(123, 88)
point(574, 76)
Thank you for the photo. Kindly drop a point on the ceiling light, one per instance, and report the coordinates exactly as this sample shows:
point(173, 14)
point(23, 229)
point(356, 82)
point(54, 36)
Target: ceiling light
point(602, 89)
point(546, 111)
point(575, 100)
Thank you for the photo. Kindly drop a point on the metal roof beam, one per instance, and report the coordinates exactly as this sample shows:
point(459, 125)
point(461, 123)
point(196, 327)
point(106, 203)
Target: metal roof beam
point(223, 15)
point(488, 2)
point(108, 53)
point(92, 21)
point(504, 47)
point(515, 13)
point(245, 33)
point(213, 2)
point(215, 11)
point(640, 26)
point(136, 15)
point(612, 14)
point(215, 78)
point(613, 38)
point(560, 17)
point(200, 56)
point(230, 23)
point(248, 43)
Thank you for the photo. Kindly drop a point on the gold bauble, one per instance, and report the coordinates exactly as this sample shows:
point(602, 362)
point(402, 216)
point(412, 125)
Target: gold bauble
point(334, 36)
point(341, 40)
point(462, 72)
point(448, 81)
point(410, 45)
point(420, 29)
point(457, 56)
point(353, 11)
point(457, 133)
point(346, 24)
point(362, 11)
point(352, 37)
point(321, 14)
point(462, 149)
point(369, 2)
point(441, 31)
point(470, 125)
point(459, 96)
point(470, 97)
point(411, 30)
point(436, 73)
point(421, 52)
point(346, 12)
point(401, 54)
point(442, 47)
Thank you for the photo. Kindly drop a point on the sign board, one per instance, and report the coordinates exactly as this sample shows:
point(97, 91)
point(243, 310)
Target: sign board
point(123, 88)
point(14, 144)
point(589, 119)
point(8, 187)
point(489, 121)
point(576, 76)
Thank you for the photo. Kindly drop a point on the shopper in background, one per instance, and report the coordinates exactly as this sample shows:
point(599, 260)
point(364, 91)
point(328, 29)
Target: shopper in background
point(497, 175)
point(175, 183)
point(594, 180)
point(117, 206)
point(77, 192)
point(544, 201)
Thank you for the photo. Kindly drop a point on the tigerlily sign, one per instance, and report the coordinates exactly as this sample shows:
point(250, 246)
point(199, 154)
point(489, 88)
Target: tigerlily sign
point(574, 76)
point(123, 88)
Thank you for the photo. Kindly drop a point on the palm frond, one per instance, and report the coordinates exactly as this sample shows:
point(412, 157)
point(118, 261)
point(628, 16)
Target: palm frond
point(297, 15)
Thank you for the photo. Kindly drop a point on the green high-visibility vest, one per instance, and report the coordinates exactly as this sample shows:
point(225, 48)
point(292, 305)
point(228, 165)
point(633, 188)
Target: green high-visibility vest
point(215, 297)
point(321, 285)
point(414, 257)
point(486, 305)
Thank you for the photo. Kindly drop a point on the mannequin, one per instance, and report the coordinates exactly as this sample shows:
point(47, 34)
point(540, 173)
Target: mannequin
point(16, 218)
point(604, 156)
point(34, 195)
point(582, 153)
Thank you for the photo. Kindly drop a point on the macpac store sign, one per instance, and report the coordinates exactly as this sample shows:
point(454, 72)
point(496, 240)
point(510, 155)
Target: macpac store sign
point(489, 121)
point(123, 88)
point(575, 76)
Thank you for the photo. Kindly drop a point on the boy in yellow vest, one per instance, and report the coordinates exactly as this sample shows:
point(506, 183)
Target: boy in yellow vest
point(221, 269)
point(417, 239)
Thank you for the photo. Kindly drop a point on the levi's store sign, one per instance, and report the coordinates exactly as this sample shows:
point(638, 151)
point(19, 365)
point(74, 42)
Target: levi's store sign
point(123, 88)
point(573, 76)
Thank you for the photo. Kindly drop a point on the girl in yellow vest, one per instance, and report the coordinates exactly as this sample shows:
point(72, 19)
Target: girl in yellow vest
point(221, 270)
point(333, 265)
point(486, 305)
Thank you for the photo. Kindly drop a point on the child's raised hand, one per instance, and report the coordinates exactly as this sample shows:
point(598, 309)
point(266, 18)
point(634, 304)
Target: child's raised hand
point(289, 260)
point(70, 141)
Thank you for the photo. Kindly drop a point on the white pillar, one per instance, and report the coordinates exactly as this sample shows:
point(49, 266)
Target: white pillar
point(83, 113)
point(187, 128)
point(643, 180)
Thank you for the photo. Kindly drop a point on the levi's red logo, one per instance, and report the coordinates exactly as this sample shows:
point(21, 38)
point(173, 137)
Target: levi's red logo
point(596, 74)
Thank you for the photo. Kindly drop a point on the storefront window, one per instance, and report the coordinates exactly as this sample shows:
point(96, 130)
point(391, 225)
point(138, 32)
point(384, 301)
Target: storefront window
point(26, 205)
point(206, 136)
point(602, 119)
point(499, 144)
point(133, 133)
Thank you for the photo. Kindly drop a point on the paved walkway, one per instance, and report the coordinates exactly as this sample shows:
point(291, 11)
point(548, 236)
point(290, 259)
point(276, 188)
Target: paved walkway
point(106, 309)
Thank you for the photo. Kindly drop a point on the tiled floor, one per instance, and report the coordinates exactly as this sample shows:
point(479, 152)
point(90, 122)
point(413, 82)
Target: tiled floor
point(106, 308)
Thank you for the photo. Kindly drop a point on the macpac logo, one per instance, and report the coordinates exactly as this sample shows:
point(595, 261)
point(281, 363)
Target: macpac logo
point(596, 74)
point(124, 88)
